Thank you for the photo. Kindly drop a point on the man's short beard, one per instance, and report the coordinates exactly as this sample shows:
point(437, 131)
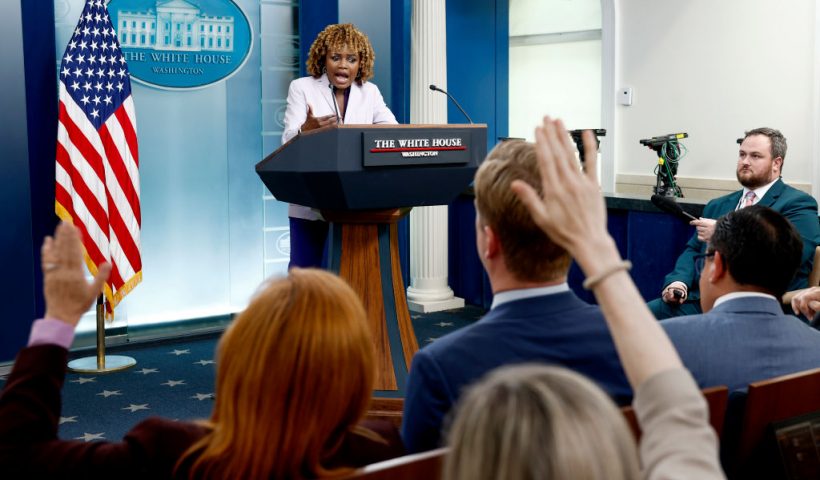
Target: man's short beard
point(752, 183)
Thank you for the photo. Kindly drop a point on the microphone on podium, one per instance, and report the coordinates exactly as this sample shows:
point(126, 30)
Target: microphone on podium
point(436, 89)
point(335, 107)
point(669, 205)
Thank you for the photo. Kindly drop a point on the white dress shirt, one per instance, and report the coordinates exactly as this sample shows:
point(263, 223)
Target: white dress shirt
point(501, 298)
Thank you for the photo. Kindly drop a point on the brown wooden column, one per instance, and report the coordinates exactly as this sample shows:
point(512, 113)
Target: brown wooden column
point(364, 251)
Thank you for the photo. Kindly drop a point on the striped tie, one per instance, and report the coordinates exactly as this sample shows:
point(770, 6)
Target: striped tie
point(749, 199)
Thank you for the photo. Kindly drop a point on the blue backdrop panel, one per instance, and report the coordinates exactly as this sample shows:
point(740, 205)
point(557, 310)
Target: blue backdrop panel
point(478, 63)
point(654, 242)
point(41, 101)
point(467, 277)
point(313, 18)
point(478, 76)
point(400, 12)
point(28, 104)
point(15, 238)
point(618, 226)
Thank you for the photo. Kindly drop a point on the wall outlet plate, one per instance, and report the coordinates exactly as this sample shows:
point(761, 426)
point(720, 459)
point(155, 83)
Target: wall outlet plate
point(625, 96)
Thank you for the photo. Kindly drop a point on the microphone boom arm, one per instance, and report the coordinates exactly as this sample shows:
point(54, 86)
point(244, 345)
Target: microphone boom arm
point(436, 89)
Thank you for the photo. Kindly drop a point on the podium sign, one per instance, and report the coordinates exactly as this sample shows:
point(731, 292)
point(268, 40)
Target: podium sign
point(416, 147)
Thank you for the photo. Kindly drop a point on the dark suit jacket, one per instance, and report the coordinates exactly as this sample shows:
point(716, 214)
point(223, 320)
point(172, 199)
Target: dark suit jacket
point(29, 447)
point(743, 340)
point(799, 207)
point(558, 329)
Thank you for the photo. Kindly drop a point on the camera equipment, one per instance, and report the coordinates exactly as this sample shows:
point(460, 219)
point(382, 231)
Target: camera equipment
point(669, 154)
point(579, 141)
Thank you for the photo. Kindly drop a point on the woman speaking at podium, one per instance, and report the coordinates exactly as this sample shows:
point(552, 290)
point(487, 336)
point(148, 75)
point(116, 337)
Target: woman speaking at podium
point(340, 63)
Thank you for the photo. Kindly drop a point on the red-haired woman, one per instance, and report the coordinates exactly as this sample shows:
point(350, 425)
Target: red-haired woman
point(340, 63)
point(294, 378)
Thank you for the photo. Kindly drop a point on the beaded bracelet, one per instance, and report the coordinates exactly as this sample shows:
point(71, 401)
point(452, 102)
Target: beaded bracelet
point(592, 282)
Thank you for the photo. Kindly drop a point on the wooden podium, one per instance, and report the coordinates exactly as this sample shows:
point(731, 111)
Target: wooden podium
point(364, 178)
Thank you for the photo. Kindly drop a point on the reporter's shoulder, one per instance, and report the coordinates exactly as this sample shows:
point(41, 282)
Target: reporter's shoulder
point(723, 199)
point(432, 346)
point(437, 349)
point(800, 195)
point(683, 324)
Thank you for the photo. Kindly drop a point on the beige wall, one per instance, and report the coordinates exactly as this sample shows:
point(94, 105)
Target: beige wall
point(714, 69)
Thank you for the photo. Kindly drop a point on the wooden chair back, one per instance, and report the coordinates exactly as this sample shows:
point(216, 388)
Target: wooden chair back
point(426, 465)
point(716, 398)
point(770, 401)
point(388, 409)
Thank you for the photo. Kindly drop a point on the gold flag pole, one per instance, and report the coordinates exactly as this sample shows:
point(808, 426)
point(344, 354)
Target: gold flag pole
point(101, 363)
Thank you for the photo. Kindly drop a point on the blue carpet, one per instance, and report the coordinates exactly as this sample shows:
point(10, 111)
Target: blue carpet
point(430, 326)
point(175, 379)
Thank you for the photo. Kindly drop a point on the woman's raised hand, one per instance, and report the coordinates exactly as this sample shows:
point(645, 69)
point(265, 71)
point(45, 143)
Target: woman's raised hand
point(68, 295)
point(570, 208)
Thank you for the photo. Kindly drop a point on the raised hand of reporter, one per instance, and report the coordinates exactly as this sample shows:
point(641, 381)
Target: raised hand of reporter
point(68, 295)
point(571, 210)
point(312, 123)
point(569, 206)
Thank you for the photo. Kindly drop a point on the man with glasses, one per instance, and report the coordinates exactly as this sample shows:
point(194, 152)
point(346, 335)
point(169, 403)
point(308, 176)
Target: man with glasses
point(759, 166)
point(744, 336)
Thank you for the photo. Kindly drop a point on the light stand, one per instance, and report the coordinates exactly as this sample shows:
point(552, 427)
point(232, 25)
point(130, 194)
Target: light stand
point(668, 150)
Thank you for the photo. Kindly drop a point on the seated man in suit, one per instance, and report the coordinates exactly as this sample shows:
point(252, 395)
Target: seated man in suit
point(744, 336)
point(759, 165)
point(534, 316)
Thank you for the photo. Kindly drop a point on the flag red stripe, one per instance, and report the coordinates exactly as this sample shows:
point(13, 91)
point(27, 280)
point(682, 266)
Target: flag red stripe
point(112, 152)
point(87, 151)
point(132, 252)
point(80, 141)
point(91, 248)
point(129, 132)
point(80, 188)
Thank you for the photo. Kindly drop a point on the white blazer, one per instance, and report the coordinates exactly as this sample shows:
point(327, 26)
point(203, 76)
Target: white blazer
point(365, 106)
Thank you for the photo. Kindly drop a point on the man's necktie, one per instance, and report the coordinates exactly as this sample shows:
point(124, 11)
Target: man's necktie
point(749, 199)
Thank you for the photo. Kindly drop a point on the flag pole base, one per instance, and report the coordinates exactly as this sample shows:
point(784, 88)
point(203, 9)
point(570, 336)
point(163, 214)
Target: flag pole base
point(101, 363)
point(111, 363)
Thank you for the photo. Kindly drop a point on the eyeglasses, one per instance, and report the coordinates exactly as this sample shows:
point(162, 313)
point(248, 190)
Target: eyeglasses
point(700, 262)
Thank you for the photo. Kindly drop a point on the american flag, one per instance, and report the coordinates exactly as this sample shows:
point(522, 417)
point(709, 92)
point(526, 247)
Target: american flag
point(98, 187)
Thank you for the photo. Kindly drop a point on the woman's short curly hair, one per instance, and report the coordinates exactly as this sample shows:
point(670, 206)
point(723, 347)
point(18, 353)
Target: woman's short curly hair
point(337, 36)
